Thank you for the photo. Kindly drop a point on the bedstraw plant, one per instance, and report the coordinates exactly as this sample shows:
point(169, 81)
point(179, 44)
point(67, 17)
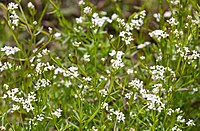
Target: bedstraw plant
point(120, 68)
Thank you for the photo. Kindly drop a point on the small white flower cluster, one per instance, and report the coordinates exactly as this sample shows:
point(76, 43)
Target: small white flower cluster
point(119, 116)
point(97, 21)
point(57, 35)
point(180, 118)
point(172, 21)
point(170, 111)
point(158, 34)
point(41, 83)
point(12, 94)
point(13, 18)
point(126, 37)
point(157, 16)
point(5, 66)
point(157, 87)
point(76, 44)
point(187, 54)
point(138, 20)
point(129, 71)
point(68, 83)
point(72, 72)
point(104, 106)
point(140, 46)
point(117, 63)
point(59, 70)
point(57, 113)
point(8, 66)
point(42, 67)
point(103, 78)
point(81, 2)
point(26, 102)
point(136, 83)
point(175, 2)
point(94, 128)
point(87, 10)
point(30, 5)
point(154, 102)
point(86, 57)
point(122, 23)
point(114, 16)
point(80, 20)
point(14, 108)
point(103, 92)
point(175, 128)
point(158, 72)
point(10, 50)
point(177, 33)
point(39, 117)
point(128, 95)
point(190, 123)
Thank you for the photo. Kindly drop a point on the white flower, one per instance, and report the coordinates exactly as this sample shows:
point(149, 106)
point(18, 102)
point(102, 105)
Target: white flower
point(57, 34)
point(172, 21)
point(158, 34)
point(137, 84)
point(119, 116)
point(87, 10)
point(57, 113)
point(126, 37)
point(105, 106)
point(2, 128)
point(97, 21)
point(112, 53)
point(129, 71)
point(10, 50)
point(128, 95)
point(157, 16)
point(81, 2)
point(174, 2)
point(180, 119)
point(86, 57)
point(30, 5)
point(190, 123)
point(87, 79)
point(170, 111)
point(68, 83)
point(15, 108)
point(138, 20)
point(40, 117)
point(103, 92)
point(167, 14)
point(140, 46)
point(76, 44)
point(42, 83)
point(94, 128)
point(12, 6)
point(142, 57)
point(34, 22)
point(114, 16)
point(50, 30)
point(117, 63)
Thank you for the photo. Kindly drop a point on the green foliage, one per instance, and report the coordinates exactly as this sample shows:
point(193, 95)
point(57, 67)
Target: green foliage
point(109, 65)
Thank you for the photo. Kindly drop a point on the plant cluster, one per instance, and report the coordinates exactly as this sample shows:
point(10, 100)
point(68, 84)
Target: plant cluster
point(102, 70)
